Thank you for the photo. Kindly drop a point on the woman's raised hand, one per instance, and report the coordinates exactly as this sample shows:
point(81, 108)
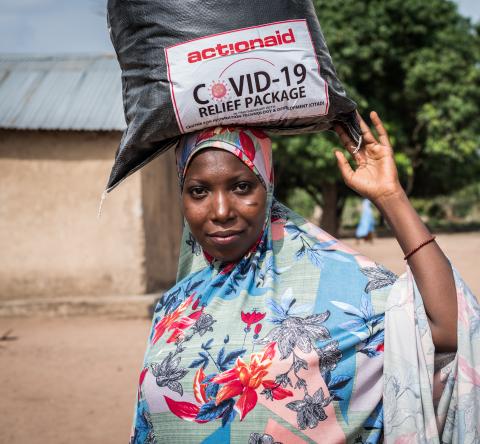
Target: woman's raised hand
point(375, 175)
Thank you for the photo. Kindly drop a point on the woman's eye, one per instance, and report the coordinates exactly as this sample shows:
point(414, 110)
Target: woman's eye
point(243, 187)
point(197, 192)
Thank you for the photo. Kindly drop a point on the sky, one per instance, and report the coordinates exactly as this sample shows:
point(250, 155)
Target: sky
point(78, 26)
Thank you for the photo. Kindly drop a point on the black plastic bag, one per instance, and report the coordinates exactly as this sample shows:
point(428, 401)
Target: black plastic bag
point(190, 64)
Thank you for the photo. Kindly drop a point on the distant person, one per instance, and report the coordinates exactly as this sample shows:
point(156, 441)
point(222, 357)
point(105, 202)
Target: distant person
point(366, 226)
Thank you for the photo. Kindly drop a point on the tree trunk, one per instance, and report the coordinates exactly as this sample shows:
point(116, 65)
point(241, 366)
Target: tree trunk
point(330, 220)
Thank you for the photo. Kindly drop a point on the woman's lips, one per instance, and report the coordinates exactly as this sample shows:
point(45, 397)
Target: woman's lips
point(225, 238)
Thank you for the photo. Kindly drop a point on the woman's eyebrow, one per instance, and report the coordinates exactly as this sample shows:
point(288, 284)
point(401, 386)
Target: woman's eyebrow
point(193, 179)
point(242, 176)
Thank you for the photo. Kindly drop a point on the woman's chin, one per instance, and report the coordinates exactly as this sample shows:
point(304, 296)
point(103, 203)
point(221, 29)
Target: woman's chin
point(226, 255)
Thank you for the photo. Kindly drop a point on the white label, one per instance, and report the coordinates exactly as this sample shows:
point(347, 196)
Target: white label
point(246, 76)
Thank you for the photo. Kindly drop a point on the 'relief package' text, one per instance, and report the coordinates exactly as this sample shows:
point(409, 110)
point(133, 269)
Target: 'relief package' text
point(188, 65)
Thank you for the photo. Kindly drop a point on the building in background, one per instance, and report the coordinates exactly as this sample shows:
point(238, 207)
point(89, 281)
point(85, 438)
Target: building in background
point(61, 120)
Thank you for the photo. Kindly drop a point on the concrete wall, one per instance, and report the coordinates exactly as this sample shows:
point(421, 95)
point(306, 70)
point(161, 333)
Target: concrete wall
point(162, 220)
point(51, 242)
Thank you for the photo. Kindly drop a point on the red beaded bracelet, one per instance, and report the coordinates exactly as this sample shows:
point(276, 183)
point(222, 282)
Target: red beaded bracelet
point(419, 246)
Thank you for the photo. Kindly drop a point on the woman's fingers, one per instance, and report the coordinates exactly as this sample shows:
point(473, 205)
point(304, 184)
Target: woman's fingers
point(373, 148)
point(349, 144)
point(381, 131)
point(344, 137)
point(345, 168)
point(366, 133)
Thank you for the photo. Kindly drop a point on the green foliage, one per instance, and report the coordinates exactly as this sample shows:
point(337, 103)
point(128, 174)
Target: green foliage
point(416, 62)
point(459, 208)
point(306, 156)
point(301, 202)
point(466, 202)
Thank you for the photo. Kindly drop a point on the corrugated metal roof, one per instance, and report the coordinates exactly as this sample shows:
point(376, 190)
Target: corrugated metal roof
point(61, 92)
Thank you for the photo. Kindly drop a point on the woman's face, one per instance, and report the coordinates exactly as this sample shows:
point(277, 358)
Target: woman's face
point(224, 204)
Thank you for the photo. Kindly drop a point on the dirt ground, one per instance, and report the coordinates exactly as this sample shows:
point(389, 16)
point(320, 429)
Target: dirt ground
point(73, 380)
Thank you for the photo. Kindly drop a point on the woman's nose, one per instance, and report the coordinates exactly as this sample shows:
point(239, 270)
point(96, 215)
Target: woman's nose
point(222, 210)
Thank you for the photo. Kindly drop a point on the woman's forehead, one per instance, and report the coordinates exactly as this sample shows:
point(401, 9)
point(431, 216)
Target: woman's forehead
point(212, 155)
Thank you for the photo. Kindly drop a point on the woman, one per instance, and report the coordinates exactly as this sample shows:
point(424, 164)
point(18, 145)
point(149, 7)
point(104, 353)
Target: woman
point(276, 332)
point(366, 225)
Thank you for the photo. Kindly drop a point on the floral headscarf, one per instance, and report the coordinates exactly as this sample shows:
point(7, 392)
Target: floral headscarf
point(253, 147)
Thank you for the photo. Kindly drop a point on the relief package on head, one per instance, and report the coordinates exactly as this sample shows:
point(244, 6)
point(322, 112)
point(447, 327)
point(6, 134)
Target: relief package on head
point(190, 64)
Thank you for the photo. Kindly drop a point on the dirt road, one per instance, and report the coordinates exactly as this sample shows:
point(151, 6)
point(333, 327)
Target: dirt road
point(73, 380)
point(69, 380)
point(463, 250)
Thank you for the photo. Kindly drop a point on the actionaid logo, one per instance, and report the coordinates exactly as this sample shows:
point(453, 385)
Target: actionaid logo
point(222, 50)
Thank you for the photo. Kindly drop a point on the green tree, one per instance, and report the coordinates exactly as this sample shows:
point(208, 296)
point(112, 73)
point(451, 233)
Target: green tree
point(417, 63)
